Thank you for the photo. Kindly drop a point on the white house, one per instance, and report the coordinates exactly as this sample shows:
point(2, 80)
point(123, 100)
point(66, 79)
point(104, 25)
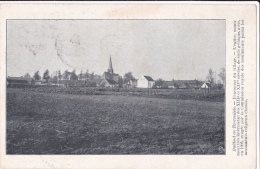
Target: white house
point(206, 85)
point(145, 82)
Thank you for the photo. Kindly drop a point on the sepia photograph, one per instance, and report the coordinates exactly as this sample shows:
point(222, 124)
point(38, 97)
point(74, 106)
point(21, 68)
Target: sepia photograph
point(115, 86)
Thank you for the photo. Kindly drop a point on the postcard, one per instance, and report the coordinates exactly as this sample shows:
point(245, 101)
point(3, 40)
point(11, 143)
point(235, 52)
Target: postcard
point(129, 85)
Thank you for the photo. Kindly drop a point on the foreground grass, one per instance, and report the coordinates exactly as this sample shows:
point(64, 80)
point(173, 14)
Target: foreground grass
point(42, 123)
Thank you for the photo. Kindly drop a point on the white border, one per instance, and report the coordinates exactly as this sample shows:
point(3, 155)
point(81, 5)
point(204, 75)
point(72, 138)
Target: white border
point(142, 161)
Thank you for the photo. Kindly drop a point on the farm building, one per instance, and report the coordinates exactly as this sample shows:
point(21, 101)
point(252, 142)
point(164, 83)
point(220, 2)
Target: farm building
point(145, 82)
point(179, 84)
point(108, 83)
point(69, 76)
point(20, 81)
point(187, 84)
point(168, 84)
point(37, 82)
point(195, 84)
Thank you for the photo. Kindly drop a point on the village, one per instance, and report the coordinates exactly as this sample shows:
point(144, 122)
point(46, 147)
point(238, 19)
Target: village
point(115, 87)
point(109, 79)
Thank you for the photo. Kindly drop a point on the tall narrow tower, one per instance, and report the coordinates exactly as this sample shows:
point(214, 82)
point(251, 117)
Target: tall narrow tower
point(110, 67)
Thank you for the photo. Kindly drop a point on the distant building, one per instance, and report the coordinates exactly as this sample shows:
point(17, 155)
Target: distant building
point(110, 79)
point(187, 84)
point(108, 83)
point(69, 76)
point(95, 82)
point(206, 85)
point(20, 81)
point(168, 84)
point(82, 77)
point(133, 83)
point(145, 82)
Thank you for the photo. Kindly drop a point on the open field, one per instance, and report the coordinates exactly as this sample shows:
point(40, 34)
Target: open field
point(58, 123)
point(183, 94)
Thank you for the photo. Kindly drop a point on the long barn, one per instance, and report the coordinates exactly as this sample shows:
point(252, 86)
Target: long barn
point(20, 81)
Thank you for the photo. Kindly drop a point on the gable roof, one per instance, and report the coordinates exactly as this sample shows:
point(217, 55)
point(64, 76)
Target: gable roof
point(206, 84)
point(97, 81)
point(169, 83)
point(110, 74)
point(111, 82)
point(189, 83)
point(148, 78)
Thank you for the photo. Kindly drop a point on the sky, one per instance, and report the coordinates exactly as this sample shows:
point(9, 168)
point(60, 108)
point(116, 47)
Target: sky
point(167, 49)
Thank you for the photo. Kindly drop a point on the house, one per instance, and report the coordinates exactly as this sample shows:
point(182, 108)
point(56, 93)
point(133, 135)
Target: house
point(20, 81)
point(108, 83)
point(69, 76)
point(195, 84)
point(187, 84)
point(206, 85)
point(68, 79)
point(145, 82)
point(111, 76)
point(94, 82)
point(168, 84)
point(180, 84)
point(82, 77)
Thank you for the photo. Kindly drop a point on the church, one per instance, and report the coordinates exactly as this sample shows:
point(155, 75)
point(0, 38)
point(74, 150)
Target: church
point(110, 79)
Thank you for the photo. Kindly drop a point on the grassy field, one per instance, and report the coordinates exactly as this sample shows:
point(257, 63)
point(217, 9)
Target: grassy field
point(57, 123)
point(181, 94)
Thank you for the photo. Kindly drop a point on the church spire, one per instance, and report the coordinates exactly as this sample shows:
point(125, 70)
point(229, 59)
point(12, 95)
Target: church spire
point(110, 67)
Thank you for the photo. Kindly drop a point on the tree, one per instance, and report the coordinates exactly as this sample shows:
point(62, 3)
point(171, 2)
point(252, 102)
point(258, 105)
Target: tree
point(159, 83)
point(65, 75)
point(36, 76)
point(222, 76)
point(97, 77)
point(27, 75)
point(46, 75)
point(164, 86)
point(86, 75)
point(59, 75)
point(92, 76)
point(54, 79)
point(120, 81)
point(73, 75)
point(128, 77)
point(197, 83)
point(210, 76)
point(81, 75)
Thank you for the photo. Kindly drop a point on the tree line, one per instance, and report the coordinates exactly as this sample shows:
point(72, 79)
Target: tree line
point(122, 80)
point(57, 75)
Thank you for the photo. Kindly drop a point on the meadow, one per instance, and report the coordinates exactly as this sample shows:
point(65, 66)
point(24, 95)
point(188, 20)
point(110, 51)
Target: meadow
point(88, 121)
point(183, 94)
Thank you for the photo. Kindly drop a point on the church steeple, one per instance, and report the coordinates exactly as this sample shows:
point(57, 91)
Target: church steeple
point(110, 67)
